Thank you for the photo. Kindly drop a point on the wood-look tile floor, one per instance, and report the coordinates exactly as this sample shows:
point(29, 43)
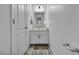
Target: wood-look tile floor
point(38, 50)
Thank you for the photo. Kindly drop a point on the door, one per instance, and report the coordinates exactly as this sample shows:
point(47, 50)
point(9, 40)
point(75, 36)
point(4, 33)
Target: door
point(19, 29)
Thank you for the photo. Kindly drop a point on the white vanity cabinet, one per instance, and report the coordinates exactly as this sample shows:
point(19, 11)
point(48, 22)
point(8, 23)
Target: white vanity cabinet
point(39, 36)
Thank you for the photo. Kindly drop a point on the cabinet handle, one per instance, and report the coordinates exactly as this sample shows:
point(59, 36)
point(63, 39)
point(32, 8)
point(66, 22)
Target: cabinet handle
point(39, 36)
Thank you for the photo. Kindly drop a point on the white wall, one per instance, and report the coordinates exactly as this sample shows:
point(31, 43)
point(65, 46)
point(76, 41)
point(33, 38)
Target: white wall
point(65, 20)
point(4, 29)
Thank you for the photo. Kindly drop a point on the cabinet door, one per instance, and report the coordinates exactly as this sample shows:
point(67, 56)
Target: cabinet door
point(44, 39)
point(34, 39)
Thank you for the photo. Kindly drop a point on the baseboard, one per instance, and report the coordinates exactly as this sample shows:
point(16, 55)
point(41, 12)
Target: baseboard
point(23, 51)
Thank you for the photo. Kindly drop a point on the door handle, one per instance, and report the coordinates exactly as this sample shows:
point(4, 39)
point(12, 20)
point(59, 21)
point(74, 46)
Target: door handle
point(26, 27)
point(13, 21)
